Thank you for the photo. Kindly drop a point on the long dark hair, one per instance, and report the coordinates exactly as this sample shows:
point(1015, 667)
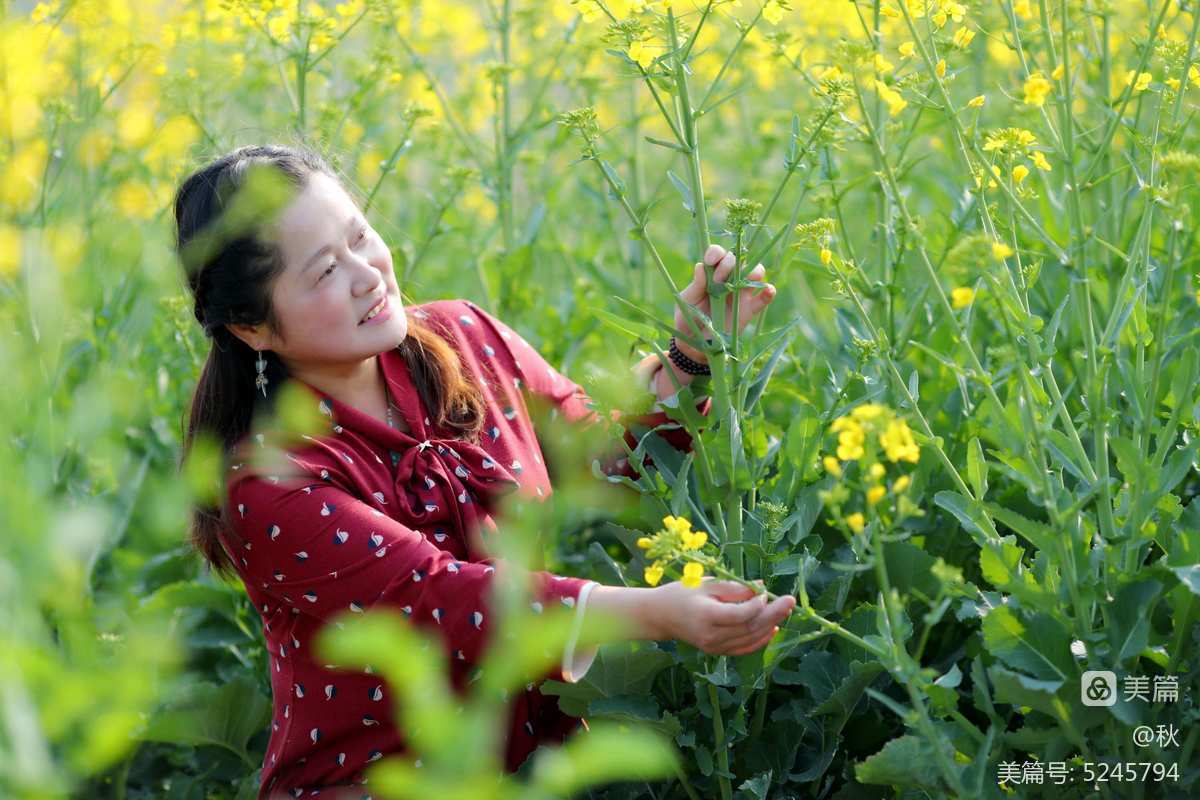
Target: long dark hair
point(230, 272)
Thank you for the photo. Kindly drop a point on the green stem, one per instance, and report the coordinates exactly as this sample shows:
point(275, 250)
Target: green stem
point(687, 120)
point(719, 743)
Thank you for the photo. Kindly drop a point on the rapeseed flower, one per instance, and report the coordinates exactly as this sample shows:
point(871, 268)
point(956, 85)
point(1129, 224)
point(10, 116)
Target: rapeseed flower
point(640, 53)
point(1000, 250)
point(976, 101)
point(692, 574)
point(940, 68)
point(868, 411)
point(898, 442)
point(962, 38)
point(961, 297)
point(832, 466)
point(907, 48)
point(895, 101)
point(1142, 80)
point(877, 434)
point(1020, 172)
point(1036, 89)
point(850, 438)
point(653, 573)
point(773, 11)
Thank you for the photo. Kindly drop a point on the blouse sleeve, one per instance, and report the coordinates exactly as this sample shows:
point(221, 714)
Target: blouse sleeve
point(316, 548)
point(573, 403)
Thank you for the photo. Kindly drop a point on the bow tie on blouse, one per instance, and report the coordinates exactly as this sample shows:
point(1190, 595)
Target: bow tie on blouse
point(464, 468)
point(473, 481)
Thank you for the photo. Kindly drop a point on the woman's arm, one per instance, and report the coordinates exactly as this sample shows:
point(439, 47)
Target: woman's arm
point(719, 617)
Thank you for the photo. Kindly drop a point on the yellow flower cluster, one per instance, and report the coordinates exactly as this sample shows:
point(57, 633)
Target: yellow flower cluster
point(676, 540)
point(872, 434)
point(852, 431)
point(773, 11)
point(1193, 76)
point(1037, 86)
point(962, 296)
point(893, 98)
point(1140, 82)
point(1012, 144)
point(898, 443)
point(640, 52)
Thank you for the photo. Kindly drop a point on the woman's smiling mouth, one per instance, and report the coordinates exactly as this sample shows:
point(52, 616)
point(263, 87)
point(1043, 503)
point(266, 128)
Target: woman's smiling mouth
point(380, 312)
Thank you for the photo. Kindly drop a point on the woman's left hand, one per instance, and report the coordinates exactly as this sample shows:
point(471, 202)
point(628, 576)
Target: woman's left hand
point(751, 300)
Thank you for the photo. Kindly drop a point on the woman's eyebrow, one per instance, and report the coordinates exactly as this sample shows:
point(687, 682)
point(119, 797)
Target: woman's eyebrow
point(327, 247)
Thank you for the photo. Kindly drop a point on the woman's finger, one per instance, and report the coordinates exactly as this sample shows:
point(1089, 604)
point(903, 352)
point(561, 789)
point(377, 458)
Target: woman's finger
point(713, 254)
point(754, 647)
point(724, 267)
point(740, 645)
point(725, 591)
point(738, 615)
point(695, 291)
point(771, 614)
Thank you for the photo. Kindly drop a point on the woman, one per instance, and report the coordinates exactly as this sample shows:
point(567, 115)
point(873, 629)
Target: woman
point(428, 425)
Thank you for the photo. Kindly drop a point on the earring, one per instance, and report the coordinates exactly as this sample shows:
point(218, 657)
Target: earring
point(260, 381)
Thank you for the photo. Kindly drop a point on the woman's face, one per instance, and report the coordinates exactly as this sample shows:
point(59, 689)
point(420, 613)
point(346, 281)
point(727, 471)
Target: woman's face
point(336, 269)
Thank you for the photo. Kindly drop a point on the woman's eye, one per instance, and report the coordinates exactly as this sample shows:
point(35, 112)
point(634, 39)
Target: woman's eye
point(361, 235)
point(327, 271)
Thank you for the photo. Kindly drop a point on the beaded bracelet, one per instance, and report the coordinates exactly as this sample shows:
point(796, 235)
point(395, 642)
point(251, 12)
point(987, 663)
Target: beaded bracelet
point(686, 364)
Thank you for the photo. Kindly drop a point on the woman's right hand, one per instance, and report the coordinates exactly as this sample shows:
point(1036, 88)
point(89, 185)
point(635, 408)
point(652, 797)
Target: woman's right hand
point(719, 617)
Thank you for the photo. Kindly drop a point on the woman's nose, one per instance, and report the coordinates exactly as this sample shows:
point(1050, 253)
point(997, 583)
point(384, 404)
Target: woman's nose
point(369, 276)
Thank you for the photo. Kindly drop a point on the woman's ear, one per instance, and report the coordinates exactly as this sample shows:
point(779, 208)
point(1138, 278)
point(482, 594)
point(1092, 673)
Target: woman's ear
point(253, 335)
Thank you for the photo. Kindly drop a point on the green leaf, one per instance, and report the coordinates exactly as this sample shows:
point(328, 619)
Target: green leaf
point(977, 471)
point(1060, 447)
point(684, 191)
point(1022, 690)
point(756, 788)
point(638, 709)
point(819, 671)
point(802, 438)
point(604, 754)
point(1036, 533)
point(908, 761)
point(619, 669)
point(1037, 644)
point(636, 330)
point(966, 511)
point(1129, 620)
point(1000, 566)
point(612, 175)
point(223, 716)
point(759, 384)
point(722, 674)
point(808, 508)
point(909, 567)
point(841, 702)
point(1189, 576)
